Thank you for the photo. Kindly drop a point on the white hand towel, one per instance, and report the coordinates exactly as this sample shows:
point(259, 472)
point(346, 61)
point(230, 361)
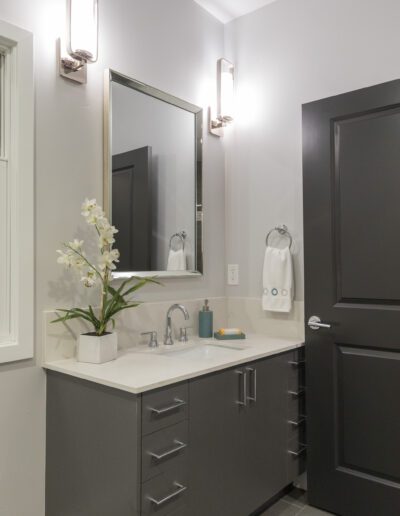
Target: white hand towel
point(176, 260)
point(277, 280)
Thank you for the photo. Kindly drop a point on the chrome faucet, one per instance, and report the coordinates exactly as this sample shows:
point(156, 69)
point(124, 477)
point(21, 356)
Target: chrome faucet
point(168, 340)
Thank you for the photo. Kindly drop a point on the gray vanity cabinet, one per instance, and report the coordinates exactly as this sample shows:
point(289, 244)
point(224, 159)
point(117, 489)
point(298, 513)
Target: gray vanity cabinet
point(92, 449)
point(238, 438)
point(218, 445)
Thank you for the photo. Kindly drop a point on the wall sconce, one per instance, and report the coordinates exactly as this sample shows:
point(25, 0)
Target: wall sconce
point(81, 43)
point(225, 100)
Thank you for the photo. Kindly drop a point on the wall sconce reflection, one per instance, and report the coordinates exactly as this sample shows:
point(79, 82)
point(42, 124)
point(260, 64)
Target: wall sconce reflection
point(81, 42)
point(225, 98)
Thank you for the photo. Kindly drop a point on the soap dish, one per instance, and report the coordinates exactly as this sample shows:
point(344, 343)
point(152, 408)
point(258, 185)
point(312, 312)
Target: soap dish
point(238, 336)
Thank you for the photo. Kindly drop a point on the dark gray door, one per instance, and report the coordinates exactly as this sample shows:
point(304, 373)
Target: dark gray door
point(131, 208)
point(351, 165)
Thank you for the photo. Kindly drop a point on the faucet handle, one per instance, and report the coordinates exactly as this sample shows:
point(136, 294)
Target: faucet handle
point(153, 343)
point(183, 337)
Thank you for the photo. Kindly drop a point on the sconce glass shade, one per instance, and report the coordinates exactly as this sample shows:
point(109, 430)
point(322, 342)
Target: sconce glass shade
point(82, 29)
point(225, 97)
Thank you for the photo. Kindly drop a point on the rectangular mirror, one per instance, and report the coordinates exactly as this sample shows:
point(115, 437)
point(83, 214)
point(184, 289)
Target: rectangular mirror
point(153, 179)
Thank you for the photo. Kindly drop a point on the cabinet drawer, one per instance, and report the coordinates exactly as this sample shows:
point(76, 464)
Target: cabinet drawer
point(164, 449)
point(164, 408)
point(165, 494)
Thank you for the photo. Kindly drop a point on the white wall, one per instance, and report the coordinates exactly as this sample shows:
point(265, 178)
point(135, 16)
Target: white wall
point(288, 53)
point(171, 45)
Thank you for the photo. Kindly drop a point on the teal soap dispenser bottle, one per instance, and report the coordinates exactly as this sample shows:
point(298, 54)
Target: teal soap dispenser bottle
point(205, 321)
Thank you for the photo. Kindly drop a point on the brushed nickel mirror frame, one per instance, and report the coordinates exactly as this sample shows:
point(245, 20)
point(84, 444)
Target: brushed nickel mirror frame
point(113, 76)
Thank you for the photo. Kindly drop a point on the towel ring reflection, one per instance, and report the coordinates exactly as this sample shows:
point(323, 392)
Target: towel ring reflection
point(182, 238)
point(283, 231)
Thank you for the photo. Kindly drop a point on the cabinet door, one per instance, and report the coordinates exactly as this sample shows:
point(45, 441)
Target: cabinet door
point(265, 430)
point(216, 454)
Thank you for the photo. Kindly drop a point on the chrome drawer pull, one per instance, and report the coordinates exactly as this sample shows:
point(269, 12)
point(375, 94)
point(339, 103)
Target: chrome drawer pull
point(161, 456)
point(299, 422)
point(298, 393)
point(178, 403)
point(180, 490)
point(253, 373)
point(299, 452)
point(243, 401)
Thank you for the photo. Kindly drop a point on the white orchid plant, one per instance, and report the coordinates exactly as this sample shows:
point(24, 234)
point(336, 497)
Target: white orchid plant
point(99, 273)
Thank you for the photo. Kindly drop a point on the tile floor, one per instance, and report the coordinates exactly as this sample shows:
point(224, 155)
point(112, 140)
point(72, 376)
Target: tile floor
point(294, 504)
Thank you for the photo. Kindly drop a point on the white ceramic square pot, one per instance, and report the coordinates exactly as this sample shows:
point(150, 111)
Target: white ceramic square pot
point(97, 350)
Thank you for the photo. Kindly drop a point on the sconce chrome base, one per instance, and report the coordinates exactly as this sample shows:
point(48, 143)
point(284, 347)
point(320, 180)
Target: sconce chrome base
point(70, 68)
point(216, 125)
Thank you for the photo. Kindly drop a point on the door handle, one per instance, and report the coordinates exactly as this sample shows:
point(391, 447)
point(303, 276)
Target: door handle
point(242, 401)
point(253, 374)
point(314, 322)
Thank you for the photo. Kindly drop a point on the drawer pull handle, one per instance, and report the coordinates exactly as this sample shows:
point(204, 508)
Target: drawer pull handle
point(253, 374)
point(299, 452)
point(160, 456)
point(299, 422)
point(243, 401)
point(298, 393)
point(296, 363)
point(180, 490)
point(178, 403)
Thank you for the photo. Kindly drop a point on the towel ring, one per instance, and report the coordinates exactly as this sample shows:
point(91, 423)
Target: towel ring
point(182, 237)
point(283, 231)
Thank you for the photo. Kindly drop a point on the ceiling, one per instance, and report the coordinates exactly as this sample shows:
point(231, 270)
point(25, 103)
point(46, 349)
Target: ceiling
point(227, 10)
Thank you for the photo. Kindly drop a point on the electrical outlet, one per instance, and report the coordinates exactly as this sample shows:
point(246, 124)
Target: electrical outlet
point(233, 274)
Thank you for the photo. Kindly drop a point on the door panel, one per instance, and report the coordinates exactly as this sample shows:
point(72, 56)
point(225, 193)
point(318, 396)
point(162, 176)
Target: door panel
point(368, 411)
point(216, 456)
point(266, 430)
point(351, 169)
point(367, 177)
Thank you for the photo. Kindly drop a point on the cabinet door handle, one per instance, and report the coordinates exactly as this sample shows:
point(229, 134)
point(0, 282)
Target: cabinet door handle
point(297, 423)
point(296, 363)
point(299, 452)
point(242, 401)
point(160, 456)
point(298, 393)
point(178, 403)
point(253, 374)
point(180, 490)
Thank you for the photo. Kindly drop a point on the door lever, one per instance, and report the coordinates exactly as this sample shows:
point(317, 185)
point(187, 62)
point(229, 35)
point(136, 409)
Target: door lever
point(314, 322)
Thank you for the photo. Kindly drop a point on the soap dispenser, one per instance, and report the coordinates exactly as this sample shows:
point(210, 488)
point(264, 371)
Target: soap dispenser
point(205, 321)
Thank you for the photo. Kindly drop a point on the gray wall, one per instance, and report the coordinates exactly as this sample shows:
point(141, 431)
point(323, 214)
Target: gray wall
point(288, 53)
point(146, 40)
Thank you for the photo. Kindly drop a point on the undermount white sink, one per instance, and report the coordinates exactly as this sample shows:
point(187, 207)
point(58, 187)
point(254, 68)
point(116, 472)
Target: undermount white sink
point(200, 351)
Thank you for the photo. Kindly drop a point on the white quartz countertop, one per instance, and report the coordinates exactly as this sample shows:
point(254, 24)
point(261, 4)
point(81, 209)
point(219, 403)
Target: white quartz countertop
point(142, 369)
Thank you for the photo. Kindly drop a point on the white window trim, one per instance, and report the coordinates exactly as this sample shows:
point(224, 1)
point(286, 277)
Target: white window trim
point(19, 154)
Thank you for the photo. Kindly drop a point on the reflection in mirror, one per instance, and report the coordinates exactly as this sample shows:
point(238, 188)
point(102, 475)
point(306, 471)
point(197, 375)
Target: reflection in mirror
point(153, 179)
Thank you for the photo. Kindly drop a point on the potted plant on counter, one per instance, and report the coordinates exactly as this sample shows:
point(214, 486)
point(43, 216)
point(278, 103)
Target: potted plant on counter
point(99, 345)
